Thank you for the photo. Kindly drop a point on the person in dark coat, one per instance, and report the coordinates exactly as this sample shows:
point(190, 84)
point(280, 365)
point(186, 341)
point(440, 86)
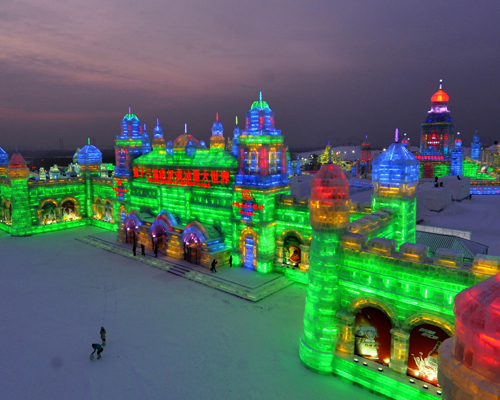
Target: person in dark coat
point(213, 269)
point(97, 347)
point(436, 178)
point(134, 249)
point(230, 261)
point(103, 335)
point(143, 250)
point(156, 250)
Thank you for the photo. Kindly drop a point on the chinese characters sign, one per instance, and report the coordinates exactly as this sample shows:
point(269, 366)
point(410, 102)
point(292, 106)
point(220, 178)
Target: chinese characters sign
point(180, 177)
point(119, 190)
point(247, 208)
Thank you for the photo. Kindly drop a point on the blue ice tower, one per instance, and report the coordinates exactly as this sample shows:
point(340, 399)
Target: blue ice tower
point(236, 135)
point(128, 145)
point(395, 178)
point(457, 159)
point(475, 147)
point(146, 144)
point(298, 170)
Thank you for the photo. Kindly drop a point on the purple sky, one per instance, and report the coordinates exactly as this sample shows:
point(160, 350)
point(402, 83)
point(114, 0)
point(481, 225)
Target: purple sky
point(331, 70)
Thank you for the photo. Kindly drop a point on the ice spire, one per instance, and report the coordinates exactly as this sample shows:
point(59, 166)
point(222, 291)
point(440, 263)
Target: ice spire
point(260, 97)
point(130, 110)
point(440, 84)
point(186, 128)
point(396, 139)
point(217, 117)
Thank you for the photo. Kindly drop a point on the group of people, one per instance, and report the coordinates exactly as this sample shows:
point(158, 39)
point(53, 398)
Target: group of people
point(99, 347)
point(143, 249)
point(214, 263)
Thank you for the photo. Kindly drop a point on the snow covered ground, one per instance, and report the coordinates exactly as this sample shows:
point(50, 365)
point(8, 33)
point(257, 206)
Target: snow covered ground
point(167, 337)
point(481, 216)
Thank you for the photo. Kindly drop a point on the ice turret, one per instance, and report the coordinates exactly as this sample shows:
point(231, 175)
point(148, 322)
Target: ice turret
point(395, 178)
point(128, 144)
point(217, 139)
point(475, 147)
point(329, 207)
point(158, 139)
point(457, 158)
point(236, 135)
point(146, 144)
point(298, 170)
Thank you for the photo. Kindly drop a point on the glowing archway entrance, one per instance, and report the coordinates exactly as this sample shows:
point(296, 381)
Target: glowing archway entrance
point(248, 248)
point(132, 223)
point(192, 248)
point(159, 234)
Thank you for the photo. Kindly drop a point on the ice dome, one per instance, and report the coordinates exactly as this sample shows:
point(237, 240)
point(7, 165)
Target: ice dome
point(17, 161)
point(440, 97)
point(157, 131)
point(89, 154)
point(217, 129)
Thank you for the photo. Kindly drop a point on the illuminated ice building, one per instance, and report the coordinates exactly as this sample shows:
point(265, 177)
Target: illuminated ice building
point(441, 153)
point(377, 305)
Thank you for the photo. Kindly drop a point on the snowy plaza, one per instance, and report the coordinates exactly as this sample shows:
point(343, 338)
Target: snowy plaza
point(168, 337)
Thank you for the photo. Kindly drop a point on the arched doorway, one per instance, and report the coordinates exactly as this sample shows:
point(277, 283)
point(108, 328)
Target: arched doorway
point(373, 335)
point(192, 248)
point(159, 234)
point(423, 352)
point(131, 229)
point(108, 211)
point(248, 248)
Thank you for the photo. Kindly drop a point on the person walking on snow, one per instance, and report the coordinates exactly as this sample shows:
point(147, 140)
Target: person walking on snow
point(213, 269)
point(156, 250)
point(143, 250)
point(103, 336)
point(134, 248)
point(97, 347)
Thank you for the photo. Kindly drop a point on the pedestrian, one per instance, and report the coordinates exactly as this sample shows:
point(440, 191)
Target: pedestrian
point(230, 261)
point(143, 250)
point(470, 196)
point(458, 177)
point(436, 178)
point(97, 347)
point(103, 335)
point(134, 249)
point(213, 269)
point(156, 250)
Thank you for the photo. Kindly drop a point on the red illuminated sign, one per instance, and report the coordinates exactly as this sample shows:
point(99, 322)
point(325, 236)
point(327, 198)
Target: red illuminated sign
point(247, 194)
point(119, 190)
point(180, 177)
point(247, 208)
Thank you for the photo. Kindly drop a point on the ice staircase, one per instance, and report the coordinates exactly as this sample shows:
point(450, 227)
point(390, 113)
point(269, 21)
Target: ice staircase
point(189, 271)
